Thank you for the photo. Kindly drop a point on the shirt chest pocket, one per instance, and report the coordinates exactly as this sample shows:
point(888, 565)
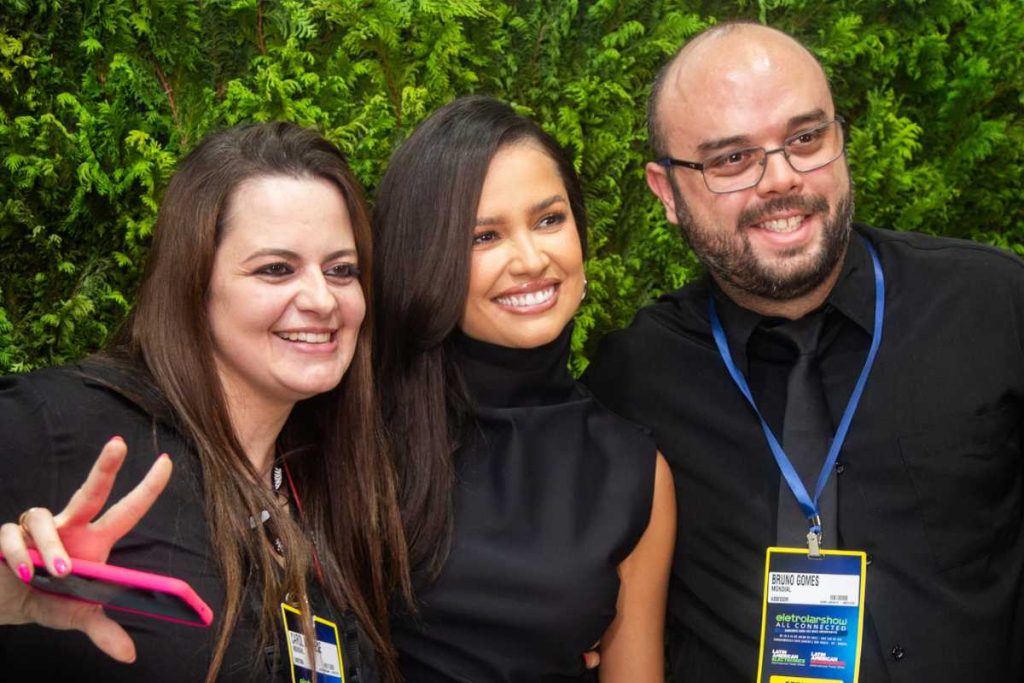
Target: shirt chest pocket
point(967, 475)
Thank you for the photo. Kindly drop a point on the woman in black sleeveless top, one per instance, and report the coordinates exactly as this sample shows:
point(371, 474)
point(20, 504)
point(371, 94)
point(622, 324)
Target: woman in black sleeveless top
point(539, 521)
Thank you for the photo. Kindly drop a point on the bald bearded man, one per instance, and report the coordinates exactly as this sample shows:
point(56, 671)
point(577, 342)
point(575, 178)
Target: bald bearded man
point(888, 367)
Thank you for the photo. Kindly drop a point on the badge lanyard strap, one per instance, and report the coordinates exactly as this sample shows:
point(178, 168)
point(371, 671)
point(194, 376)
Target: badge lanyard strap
point(809, 506)
point(298, 505)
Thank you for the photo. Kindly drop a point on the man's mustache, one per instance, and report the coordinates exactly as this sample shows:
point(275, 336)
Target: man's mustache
point(814, 204)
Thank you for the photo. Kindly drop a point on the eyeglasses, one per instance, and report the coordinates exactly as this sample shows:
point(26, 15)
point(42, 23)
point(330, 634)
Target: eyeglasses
point(738, 169)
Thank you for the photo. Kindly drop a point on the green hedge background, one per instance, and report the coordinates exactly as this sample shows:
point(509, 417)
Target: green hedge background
point(98, 99)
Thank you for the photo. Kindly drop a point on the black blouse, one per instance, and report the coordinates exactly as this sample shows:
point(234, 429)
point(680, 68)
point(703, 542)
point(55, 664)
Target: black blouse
point(53, 424)
point(553, 494)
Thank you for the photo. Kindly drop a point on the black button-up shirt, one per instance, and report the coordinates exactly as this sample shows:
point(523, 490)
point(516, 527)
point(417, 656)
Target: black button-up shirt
point(932, 472)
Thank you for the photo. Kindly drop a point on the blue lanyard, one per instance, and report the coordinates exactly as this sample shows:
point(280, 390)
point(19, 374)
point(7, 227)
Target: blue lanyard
point(809, 506)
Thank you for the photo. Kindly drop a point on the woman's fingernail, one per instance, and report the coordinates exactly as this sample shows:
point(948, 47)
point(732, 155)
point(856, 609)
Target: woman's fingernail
point(61, 566)
point(23, 572)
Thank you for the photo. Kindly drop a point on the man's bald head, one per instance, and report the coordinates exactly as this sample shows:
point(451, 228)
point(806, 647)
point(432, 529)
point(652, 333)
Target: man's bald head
point(711, 48)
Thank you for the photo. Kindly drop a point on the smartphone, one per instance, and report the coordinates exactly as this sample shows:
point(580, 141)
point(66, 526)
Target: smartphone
point(127, 590)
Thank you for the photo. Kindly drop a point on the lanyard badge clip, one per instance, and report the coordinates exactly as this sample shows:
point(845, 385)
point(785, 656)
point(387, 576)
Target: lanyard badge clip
point(814, 537)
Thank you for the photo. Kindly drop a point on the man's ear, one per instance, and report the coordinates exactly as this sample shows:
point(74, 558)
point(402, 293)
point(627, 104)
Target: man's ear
point(661, 186)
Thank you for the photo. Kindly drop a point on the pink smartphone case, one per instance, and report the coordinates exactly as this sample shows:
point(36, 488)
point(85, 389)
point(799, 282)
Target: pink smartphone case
point(142, 581)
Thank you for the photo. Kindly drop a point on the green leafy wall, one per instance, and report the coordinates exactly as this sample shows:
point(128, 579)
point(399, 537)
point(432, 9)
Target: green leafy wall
point(98, 100)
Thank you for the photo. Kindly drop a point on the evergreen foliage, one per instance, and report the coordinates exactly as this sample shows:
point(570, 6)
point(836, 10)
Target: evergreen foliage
point(99, 98)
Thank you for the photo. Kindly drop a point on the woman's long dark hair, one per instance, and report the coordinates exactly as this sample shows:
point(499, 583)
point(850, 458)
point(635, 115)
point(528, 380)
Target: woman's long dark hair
point(423, 235)
point(332, 442)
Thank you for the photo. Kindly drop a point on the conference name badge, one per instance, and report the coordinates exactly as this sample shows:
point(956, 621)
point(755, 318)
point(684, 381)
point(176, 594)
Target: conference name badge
point(812, 616)
point(327, 659)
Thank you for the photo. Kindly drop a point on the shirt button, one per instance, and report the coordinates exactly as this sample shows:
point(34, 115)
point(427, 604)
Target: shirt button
point(840, 467)
point(898, 653)
point(868, 558)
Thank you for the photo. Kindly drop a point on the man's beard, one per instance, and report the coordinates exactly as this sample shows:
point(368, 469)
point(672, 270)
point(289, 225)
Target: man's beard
point(731, 258)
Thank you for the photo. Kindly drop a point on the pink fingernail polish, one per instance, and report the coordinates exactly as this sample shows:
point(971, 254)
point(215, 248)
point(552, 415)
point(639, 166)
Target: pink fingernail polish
point(23, 573)
point(61, 566)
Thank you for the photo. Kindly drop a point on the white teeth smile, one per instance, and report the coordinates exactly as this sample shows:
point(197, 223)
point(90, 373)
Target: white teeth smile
point(307, 337)
point(782, 224)
point(528, 299)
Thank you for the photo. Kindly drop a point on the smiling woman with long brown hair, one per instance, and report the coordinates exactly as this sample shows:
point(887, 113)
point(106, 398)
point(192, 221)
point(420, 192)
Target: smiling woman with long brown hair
point(247, 359)
point(538, 521)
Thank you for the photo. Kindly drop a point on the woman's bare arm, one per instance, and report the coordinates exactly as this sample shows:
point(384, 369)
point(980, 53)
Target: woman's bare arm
point(633, 649)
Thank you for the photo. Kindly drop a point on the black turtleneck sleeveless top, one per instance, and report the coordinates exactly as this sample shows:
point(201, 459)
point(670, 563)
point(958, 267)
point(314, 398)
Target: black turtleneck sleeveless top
point(553, 493)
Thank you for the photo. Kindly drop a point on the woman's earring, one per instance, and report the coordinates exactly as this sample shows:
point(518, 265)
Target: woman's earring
point(586, 285)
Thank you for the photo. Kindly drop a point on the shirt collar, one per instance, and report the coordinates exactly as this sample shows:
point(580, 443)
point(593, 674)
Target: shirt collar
point(854, 292)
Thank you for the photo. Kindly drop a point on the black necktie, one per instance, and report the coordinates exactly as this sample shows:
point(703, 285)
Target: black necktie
point(806, 435)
